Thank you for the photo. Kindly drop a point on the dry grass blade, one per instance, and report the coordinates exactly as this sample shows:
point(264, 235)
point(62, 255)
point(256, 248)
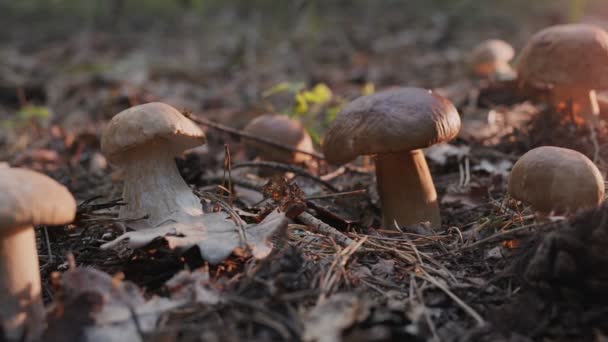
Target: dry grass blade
point(469, 310)
point(286, 168)
point(240, 224)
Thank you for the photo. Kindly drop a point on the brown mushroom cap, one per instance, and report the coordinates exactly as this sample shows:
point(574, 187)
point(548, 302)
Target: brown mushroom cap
point(394, 120)
point(572, 55)
point(30, 198)
point(144, 124)
point(556, 179)
point(492, 50)
point(283, 130)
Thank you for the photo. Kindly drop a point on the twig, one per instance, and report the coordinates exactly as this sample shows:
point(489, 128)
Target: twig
point(427, 316)
point(236, 132)
point(596, 145)
point(48, 244)
point(337, 194)
point(240, 224)
point(228, 167)
point(469, 310)
point(319, 226)
point(287, 168)
point(498, 235)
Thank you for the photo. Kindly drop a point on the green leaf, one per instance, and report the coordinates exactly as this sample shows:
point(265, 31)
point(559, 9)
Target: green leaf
point(320, 94)
point(33, 112)
point(301, 106)
point(292, 87)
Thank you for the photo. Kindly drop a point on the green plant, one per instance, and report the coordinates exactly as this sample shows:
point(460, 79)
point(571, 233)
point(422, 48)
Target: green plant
point(315, 107)
point(25, 115)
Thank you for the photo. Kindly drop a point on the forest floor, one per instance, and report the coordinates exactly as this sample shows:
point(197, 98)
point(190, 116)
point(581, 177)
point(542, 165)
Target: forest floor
point(481, 277)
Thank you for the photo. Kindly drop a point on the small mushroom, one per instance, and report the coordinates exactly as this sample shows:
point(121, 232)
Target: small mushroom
point(490, 59)
point(27, 198)
point(143, 141)
point(395, 125)
point(572, 60)
point(555, 179)
point(285, 131)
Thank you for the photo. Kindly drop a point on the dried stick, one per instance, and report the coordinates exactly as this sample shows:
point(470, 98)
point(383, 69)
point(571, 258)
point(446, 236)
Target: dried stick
point(319, 226)
point(287, 168)
point(236, 132)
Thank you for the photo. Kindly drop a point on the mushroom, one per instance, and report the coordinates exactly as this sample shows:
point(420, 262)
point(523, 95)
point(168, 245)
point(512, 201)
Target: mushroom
point(143, 141)
point(285, 131)
point(490, 59)
point(555, 179)
point(394, 125)
point(27, 198)
point(572, 60)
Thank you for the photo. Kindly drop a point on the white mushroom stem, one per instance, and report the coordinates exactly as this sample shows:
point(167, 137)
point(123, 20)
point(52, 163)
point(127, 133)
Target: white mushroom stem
point(406, 189)
point(21, 308)
point(154, 187)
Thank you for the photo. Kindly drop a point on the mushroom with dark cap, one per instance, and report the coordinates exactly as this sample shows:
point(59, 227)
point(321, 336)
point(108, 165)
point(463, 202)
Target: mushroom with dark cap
point(570, 59)
point(285, 131)
point(555, 179)
point(395, 125)
point(490, 59)
point(27, 198)
point(143, 141)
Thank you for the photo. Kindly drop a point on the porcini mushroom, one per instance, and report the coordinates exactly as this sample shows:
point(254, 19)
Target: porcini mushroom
point(572, 60)
point(143, 141)
point(555, 179)
point(395, 125)
point(27, 198)
point(285, 131)
point(490, 59)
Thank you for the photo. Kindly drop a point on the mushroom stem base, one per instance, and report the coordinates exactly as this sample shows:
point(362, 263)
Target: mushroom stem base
point(406, 189)
point(154, 187)
point(21, 308)
point(584, 102)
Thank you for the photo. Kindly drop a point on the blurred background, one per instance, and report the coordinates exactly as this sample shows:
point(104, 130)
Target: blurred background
point(75, 62)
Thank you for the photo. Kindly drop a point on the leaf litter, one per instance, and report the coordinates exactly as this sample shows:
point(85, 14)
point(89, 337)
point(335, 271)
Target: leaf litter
point(332, 273)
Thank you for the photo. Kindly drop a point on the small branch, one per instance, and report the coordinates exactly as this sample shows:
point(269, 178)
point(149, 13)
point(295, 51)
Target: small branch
point(337, 194)
point(321, 227)
point(236, 132)
point(287, 168)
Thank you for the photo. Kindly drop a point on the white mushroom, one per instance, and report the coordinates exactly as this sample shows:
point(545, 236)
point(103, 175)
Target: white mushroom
point(27, 198)
point(143, 141)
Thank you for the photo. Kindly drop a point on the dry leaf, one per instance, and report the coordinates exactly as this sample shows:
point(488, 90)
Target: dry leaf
point(215, 234)
point(120, 314)
point(193, 287)
point(326, 321)
point(501, 167)
point(440, 153)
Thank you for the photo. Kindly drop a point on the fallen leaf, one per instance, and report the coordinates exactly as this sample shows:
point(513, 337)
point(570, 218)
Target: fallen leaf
point(384, 267)
point(471, 196)
point(494, 253)
point(193, 287)
point(501, 167)
point(215, 234)
point(440, 153)
point(118, 311)
point(327, 320)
